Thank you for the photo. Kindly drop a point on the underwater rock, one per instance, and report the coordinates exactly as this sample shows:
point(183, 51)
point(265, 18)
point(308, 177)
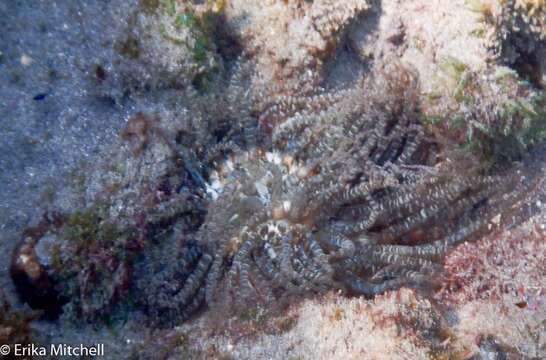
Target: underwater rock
point(290, 41)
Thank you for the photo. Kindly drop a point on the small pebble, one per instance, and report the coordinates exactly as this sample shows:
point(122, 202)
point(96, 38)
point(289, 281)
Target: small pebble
point(26, 60)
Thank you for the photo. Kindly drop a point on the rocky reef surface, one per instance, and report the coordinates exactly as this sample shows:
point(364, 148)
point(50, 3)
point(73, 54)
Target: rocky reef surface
point(275, 179)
